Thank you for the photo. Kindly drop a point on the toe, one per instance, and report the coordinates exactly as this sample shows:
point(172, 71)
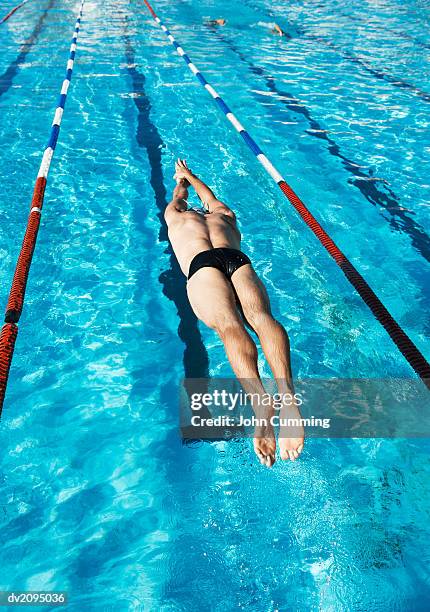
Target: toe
point(270, 461)
point(261, 457)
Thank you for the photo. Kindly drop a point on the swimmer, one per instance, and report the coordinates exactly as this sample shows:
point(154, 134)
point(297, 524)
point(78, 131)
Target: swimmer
point(225, 293)
point(278, 30)
point(216, 22)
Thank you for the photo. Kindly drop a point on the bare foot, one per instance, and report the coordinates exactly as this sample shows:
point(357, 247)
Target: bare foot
point(265, 449)
point(264, 440)
point(291, 435)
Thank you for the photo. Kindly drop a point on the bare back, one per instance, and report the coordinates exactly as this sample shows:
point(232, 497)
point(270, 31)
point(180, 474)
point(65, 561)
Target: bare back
point(190, 233)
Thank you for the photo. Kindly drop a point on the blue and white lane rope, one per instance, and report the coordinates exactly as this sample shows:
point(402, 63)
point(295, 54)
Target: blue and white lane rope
point(55, 128)
point(15, 303)
point(408, 349)
point(268, 166)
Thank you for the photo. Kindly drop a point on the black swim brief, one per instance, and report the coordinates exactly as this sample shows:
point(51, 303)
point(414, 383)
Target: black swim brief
point(224, 259)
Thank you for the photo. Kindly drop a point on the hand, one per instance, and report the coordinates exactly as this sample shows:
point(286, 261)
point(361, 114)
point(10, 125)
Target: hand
point(182, 172)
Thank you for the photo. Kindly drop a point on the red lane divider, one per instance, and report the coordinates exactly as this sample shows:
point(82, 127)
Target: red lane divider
point(13, 11)
point(8, 336)
point(15, 302)
point(408, 349)
point(19, 282)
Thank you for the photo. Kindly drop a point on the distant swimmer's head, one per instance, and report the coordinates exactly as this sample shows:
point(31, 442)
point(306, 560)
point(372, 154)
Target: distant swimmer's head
point(278, 30)
point(217, 22)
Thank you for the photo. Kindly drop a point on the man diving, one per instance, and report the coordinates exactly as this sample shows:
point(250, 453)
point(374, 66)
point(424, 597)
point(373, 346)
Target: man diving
point(225, 293)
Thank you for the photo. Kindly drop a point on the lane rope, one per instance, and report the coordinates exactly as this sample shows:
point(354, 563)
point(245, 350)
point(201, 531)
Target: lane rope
point(363, 179)
point(10, 13)
point(15, 302)
point(405, 345)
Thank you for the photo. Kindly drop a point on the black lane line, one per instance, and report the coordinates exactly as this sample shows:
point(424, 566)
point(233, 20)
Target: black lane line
point(379, 74)
point(196, 360)
point(6, 79)
point(399, 220)
point(384, 29)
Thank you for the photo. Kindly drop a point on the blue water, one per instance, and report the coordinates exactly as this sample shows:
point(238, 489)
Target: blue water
point(98, 495)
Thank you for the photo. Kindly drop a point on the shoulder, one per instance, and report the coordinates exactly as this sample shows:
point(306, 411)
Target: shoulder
point(172, 215)
point(224, 211)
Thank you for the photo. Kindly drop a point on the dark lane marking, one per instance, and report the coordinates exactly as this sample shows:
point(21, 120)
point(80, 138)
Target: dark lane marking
point(399, 220)
point(196, 361)
point(6, 79)
point(379, 74)
point(384, 29)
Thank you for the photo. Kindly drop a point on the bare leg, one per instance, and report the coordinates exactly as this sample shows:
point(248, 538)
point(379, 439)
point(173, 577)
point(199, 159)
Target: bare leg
point(213, 301)
point(276, 347)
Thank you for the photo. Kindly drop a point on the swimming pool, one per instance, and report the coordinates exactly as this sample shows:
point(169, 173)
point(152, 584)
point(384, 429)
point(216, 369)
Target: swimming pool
point(99, 497)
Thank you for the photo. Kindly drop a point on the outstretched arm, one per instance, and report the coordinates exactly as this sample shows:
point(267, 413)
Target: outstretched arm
point(206, 195)
point(278, 30)
point(179, 200)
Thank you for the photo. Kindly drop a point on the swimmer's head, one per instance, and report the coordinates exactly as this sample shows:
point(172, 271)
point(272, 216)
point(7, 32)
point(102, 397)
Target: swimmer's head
point(219, 22)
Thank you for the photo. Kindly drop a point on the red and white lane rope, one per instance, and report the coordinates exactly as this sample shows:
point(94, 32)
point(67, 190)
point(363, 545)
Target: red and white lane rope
point(10, 13)
point(408, 349)
point(15, 302)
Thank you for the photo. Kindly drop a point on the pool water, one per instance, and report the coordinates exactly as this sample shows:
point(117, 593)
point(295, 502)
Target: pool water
point(99, 496)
